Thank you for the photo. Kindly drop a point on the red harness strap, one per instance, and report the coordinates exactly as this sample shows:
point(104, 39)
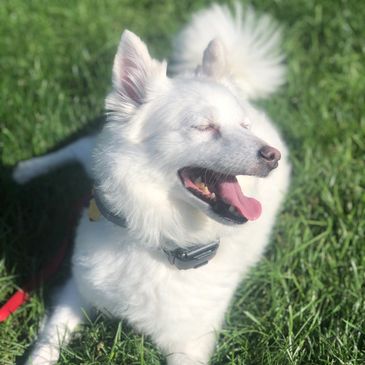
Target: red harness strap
point(22, 295)
point(13, 304)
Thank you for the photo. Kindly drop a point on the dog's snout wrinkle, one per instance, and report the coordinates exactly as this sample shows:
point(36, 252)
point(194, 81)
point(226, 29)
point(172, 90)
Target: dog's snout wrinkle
point(271, 156)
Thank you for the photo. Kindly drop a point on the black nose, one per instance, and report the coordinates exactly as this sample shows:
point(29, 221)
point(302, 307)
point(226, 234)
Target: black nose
point(271, 156)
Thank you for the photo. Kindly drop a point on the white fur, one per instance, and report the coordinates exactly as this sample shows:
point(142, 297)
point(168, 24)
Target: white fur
point(155, 127)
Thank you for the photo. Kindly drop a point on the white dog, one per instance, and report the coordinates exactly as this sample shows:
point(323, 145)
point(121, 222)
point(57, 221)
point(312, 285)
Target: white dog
point(186, 187)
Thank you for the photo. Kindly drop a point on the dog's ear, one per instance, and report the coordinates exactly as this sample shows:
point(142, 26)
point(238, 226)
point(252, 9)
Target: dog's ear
point(214, 59)
point(134, 68)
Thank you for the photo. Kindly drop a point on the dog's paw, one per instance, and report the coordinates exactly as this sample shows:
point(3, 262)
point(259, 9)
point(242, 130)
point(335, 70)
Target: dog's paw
point(183, 359)
point(44, 355)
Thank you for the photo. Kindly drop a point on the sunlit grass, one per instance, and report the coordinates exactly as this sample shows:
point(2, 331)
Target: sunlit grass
point(304, 302)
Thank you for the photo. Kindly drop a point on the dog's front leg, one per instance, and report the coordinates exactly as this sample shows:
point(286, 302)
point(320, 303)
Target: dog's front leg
point(56, 330)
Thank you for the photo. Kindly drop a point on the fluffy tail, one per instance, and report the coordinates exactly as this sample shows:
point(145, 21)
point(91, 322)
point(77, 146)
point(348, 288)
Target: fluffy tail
point(252, 47)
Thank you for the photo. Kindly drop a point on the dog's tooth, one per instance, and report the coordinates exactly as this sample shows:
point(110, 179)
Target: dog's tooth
point(232, 209)
point(212, 196)
point(202, 187)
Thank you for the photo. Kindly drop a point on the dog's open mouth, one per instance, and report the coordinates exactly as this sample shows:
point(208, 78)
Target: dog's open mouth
point(222, 192)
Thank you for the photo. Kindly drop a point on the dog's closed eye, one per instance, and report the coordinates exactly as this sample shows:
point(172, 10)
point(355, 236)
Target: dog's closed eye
point(211, 127)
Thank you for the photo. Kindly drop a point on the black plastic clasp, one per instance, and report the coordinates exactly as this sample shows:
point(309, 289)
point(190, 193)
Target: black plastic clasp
point(193, 257)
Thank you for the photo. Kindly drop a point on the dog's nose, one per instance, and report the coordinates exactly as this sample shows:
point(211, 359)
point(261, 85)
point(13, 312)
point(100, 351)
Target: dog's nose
point(271, 156)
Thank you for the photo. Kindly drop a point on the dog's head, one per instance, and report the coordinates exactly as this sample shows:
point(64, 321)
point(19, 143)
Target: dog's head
point(172, 148)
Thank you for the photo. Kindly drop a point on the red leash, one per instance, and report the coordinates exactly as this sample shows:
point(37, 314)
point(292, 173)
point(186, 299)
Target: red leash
point(22, 295)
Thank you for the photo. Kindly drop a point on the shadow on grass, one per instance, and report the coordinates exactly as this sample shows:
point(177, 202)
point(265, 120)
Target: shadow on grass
point(36, 220)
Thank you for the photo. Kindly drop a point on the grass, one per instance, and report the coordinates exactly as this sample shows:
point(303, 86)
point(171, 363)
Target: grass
point(304, 302)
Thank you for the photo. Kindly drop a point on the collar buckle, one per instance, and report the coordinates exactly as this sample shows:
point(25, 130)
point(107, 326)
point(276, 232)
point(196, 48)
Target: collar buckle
point(193, 257)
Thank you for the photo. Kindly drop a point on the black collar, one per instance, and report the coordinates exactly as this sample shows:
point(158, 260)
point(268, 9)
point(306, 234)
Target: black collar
point(183, 258)
point(107, 214)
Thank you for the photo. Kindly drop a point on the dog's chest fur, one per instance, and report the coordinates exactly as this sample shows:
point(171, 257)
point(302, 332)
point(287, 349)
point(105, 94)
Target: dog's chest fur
point(123, 278)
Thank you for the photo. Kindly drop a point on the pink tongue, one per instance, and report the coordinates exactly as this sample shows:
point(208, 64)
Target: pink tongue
point(232, 194)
